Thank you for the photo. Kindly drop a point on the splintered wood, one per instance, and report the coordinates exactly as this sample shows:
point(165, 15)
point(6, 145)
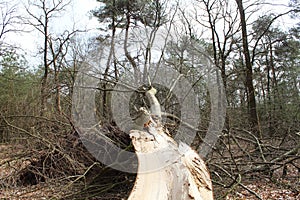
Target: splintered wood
point(167, 170)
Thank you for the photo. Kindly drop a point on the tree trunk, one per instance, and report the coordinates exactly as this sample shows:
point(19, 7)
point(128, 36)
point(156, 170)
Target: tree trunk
point(105, 114)
point(127, 54)
point(57, 88)
point(249, 73)
point(44, 84)
point(166, 170)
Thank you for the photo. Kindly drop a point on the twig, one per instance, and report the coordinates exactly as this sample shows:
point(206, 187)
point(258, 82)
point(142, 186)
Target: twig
point(238, 183)
point(257, 142)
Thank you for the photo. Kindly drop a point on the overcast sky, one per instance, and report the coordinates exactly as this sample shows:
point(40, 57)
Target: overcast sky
point(77, 14)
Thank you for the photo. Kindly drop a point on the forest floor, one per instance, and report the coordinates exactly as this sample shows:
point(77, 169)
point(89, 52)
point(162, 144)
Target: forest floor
point(266, 189)
point(13, 158)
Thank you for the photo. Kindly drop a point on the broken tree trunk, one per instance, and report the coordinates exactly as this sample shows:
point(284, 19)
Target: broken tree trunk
point(167, 170)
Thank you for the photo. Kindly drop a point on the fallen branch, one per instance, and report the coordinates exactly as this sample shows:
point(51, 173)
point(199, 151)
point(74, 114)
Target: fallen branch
point(237, 182)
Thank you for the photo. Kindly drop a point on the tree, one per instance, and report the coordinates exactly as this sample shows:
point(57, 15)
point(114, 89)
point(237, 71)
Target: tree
point(267, 61)
point(58, 51)
point(17, 89)
point(249, 71)
point(286, 58)
point(10, 22)
point(221, 13)
point(184, 178)
point(295, 4)
point(264, 35)
point(41, 22)
point(125, 15)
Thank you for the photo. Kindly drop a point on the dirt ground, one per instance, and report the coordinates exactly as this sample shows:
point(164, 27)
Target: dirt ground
point(13, 158)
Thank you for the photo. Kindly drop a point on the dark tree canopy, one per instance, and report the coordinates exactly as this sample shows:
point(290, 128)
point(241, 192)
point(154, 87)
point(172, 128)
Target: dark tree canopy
point(148, 12)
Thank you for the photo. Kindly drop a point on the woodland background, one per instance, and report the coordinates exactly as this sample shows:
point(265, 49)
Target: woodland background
point(258, 58)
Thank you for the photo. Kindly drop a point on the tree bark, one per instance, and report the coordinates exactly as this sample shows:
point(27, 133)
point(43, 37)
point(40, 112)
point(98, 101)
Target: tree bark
point(46, 69)
point(249, 72)
point(105, 97)
point(127, 54)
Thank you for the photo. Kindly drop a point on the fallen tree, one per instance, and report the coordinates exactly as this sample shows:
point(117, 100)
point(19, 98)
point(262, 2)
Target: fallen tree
point(166, 170)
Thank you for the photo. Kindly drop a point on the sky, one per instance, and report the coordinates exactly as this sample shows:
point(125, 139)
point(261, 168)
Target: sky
point(77, 16)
